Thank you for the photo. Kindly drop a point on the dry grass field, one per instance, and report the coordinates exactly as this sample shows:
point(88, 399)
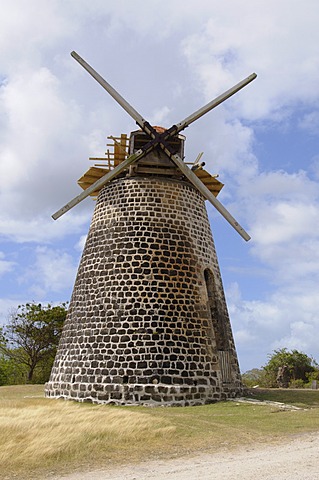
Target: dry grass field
point(42, 437)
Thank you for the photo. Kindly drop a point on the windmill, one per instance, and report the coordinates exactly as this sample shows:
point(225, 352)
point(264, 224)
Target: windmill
point(148, 321)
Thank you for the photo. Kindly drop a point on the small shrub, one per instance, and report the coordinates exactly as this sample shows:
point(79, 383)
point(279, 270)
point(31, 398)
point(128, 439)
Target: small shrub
point(296, 383)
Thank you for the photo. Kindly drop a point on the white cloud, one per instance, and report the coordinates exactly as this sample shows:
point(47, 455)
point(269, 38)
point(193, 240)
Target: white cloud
point(27, 30)
point(53, 271)
point(7, 306)
point(36, 158)
point(46, 142)
point(314, 167)
point(42, 229)
point(39, 125)
point(53, 116)
point(160, 117)
point(5, 265)
point(261, 37)
point(310, 122)
point(283, 211)
point(284, 221)
point(231, 149)
point(301, 335)
point(79, 246)
point(285, 319)
point(282, 185)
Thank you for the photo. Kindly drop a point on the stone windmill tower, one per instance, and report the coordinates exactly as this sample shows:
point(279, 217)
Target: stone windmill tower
point(148, 321)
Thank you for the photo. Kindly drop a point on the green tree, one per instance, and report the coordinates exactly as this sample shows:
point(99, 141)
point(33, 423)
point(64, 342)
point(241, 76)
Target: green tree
point(31, 337)
point(2, 339)
point(3, 361)
point(10, 371)
point(297, 366)
point(254, 377)
point(313, 376)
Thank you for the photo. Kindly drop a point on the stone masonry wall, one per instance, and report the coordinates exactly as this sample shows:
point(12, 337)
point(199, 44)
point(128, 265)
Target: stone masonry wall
point(148, 312)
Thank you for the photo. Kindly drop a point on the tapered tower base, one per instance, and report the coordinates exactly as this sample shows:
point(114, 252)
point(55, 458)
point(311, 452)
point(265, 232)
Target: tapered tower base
point(147, 322)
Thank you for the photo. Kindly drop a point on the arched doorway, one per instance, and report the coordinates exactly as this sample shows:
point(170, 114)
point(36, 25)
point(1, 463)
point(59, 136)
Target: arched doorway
point(219, 325)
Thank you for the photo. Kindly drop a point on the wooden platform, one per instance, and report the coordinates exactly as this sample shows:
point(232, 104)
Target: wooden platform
point(95, 173)
point(154, 164)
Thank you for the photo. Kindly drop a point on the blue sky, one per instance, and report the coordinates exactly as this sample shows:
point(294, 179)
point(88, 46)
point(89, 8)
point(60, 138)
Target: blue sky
point(168, 62)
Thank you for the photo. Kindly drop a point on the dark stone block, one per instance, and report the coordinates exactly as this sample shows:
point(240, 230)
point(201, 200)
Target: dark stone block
point(116, 396)
point(144, 398)
point(166, 379)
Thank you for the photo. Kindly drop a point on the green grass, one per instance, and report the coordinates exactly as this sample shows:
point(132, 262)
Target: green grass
point(21, 392)
point(297, 397)
point(40, 435)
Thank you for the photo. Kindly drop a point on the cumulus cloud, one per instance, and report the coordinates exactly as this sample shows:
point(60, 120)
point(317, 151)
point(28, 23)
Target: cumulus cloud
point(37, 162)
point(53, 271)
point(53, 116)
point(79, 246)
point(42, 229)
point(160, 117)
point(27, 31)
point(284, 221)
point(284, 319)
point(7, 306)
point(34, 141)
point(283, 213)
point(310, 122)
point(5, 265)
point(265, 41)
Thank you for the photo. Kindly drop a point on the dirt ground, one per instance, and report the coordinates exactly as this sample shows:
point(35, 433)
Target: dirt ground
point(297, 459)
